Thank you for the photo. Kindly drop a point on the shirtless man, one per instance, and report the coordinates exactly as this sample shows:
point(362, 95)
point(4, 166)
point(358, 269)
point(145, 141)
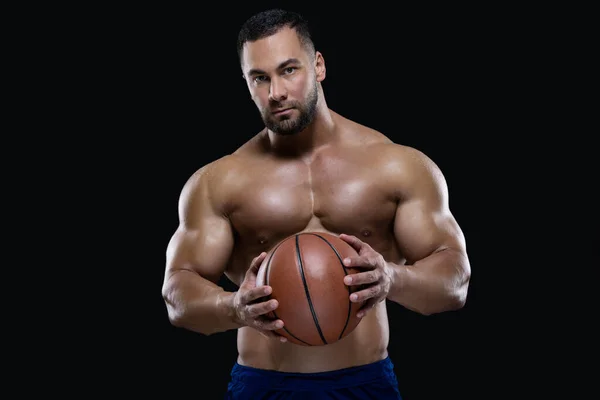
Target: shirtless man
point(310, 169)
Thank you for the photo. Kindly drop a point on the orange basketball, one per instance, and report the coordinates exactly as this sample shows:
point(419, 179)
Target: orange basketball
point(306, 274)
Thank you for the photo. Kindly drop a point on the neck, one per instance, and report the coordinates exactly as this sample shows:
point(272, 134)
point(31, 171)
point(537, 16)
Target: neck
point(318, 133)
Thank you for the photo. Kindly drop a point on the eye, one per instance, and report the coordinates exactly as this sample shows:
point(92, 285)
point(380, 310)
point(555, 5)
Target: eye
point(259, 78)
point(289, 70)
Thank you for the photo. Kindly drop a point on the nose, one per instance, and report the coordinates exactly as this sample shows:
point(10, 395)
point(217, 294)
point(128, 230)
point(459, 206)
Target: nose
point(278, 91)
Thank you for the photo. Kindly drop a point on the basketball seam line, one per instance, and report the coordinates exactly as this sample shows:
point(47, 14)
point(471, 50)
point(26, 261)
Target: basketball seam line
point(306, 291)
point(345, 273)
point(267, 283)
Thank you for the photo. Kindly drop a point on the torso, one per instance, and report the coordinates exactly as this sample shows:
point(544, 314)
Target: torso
point(340, 189)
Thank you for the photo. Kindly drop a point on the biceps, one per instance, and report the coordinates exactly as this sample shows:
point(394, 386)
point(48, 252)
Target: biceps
point(422, 229)
point(204, 249)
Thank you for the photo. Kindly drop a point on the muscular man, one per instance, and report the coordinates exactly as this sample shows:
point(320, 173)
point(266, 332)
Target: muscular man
point(310, 169)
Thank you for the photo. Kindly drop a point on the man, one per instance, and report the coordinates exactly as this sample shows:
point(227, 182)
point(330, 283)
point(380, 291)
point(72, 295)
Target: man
point(310, 169)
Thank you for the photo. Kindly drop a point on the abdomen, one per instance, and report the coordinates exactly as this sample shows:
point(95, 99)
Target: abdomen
point(368, 343)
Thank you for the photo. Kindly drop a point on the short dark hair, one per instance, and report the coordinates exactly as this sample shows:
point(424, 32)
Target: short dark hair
point(269, 22)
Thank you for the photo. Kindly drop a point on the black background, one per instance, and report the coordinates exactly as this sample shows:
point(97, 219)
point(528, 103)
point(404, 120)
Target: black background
point(169, 97)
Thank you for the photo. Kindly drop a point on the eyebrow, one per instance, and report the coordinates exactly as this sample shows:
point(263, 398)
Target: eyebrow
point(282, 65)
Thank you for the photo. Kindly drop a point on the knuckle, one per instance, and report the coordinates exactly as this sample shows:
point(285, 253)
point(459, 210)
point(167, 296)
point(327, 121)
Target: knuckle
point(251, 313)
point(265, 308)
point(272, 325)
point(244, 298)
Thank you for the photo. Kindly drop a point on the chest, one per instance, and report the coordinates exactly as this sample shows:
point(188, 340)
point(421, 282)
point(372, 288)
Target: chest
point(336, 193)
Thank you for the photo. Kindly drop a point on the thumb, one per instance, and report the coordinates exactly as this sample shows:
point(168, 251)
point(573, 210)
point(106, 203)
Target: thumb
point(353, 241)
point(254, 267)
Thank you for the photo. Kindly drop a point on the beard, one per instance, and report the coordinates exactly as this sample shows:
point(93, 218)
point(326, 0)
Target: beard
point(289, 125)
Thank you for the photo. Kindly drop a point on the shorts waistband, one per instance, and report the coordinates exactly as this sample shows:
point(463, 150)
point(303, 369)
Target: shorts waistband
point(345, 377)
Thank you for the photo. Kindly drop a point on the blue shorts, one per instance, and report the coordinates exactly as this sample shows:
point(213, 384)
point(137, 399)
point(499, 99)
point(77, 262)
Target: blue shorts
point(372, 381)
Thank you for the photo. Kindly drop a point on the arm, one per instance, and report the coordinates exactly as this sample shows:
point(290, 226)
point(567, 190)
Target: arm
point(197, 255)
point(437, 271)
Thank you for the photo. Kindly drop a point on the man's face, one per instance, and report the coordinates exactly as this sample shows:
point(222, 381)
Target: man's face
point(281, 78)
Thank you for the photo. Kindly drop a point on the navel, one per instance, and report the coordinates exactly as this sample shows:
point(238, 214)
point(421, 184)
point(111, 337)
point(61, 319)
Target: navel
point(262, 240)
point(366, 232)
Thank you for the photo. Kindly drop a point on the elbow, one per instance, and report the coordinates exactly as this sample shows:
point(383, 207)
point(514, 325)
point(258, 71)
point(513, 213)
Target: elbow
point(459, 294)
point(175, 312)
point(452, 300)
point(182, 316)
point(455, 297)
point(175, 317)
point(179, 318)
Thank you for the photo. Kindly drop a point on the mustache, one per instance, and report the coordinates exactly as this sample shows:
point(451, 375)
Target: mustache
point(280, 106)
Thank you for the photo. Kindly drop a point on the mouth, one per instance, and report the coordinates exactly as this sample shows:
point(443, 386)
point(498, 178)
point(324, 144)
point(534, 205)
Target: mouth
point(278, 112)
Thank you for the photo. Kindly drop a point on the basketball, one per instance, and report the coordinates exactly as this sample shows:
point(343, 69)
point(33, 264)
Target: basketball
point(306, 273)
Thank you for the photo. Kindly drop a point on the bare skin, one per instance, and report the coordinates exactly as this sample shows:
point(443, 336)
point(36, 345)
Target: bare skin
point(387, 200)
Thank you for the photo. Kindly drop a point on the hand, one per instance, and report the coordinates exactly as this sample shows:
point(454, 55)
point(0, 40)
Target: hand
point(375, 282)
point(250, 307)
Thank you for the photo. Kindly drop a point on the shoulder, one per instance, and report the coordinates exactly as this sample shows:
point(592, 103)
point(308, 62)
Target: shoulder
point(409, 170)
point(408, 159)
point(208, 185)
point(397, 157)
point(225, 170)
point(417, 173)
point(406, 169)
point(392, 157)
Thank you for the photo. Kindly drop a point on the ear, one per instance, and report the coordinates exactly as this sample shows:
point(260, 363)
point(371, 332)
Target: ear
point(320, 66)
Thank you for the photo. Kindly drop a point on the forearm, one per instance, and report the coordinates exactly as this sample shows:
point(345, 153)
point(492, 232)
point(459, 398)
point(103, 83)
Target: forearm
point(198, 305)
point(432, 285)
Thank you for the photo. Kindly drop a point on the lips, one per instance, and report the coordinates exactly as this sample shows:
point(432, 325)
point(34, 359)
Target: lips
point(281, 110)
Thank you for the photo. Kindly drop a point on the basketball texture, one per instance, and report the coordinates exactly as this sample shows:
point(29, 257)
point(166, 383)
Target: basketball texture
point(306, 274)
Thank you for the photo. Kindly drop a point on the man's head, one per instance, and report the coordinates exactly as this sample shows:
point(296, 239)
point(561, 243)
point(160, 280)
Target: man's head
point(281, 68)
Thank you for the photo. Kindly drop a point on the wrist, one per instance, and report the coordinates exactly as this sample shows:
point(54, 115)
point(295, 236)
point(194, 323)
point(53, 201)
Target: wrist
point(226, 307)
point(397, 278)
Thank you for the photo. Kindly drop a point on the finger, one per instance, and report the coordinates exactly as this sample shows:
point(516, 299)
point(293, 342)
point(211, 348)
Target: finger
point(274, 336)
point(265, 307)
point(256, 293)
point(268, 324)
point(353, 241)
point(357, 262)
point(255, 264)
point(362, 278)
point(368, 306)
point(365, 294)
point(252, 272)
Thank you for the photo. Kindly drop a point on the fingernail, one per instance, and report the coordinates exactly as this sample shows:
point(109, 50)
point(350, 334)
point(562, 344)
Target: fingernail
point(282, 339)
point(353, 297)
point(347, 261)
point(348, 280)
point(267, 290)
point(360, 314)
